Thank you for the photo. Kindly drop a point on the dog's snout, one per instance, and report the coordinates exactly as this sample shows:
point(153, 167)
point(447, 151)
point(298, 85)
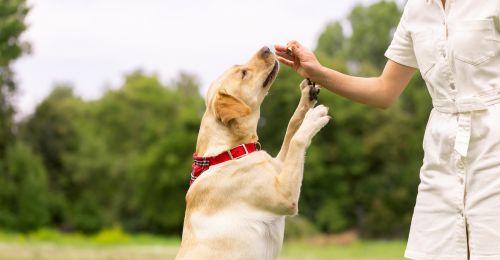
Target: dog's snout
point(265, 51)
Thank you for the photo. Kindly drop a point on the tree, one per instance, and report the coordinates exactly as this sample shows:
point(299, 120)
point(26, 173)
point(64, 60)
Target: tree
point(162, 172)
point(24, 194)
point(136, 139)
point(12, 25)
point(52, 132)
point(372, 29)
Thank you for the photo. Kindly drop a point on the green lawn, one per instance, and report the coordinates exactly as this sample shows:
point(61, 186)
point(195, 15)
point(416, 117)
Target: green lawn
point(363, 250)
point(114, 244)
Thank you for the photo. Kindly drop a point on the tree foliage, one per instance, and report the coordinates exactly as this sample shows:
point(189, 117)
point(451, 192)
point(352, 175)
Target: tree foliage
point(123, 159)
point(23, 193)
point(12, 25)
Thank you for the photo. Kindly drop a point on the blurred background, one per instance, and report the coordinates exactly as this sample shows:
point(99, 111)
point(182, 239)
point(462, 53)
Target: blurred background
point(100, 105)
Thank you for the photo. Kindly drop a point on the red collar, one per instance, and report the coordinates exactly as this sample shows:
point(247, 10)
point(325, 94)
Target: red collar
point(202, 164)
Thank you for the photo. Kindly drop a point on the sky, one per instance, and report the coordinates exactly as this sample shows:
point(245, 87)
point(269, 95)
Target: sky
point(92, 44)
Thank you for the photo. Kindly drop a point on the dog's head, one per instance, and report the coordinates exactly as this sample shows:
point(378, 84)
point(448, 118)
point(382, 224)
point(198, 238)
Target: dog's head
point(235, 97)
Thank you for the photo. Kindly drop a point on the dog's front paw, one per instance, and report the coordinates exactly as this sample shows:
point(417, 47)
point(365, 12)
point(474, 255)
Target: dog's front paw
point(313, 90)
point(309, 92)
point(315, 119)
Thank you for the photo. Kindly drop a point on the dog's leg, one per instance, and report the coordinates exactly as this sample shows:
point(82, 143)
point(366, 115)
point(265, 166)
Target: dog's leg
point(289, 180)
point(309, 96)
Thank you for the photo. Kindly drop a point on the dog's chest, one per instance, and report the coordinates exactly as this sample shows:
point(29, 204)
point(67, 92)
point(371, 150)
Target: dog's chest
point(260, 232)
point(273, 237)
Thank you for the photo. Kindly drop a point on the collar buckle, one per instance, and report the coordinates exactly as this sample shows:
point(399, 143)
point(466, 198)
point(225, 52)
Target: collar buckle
point(237, 157)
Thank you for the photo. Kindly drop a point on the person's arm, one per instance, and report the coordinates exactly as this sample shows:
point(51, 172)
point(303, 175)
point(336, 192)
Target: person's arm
point(379, 91)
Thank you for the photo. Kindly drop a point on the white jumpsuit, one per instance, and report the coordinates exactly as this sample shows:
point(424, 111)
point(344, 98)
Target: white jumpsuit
point(456, 48)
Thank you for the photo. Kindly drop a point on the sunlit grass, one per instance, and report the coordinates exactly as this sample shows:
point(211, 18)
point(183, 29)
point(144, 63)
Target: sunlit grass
point(111, 237)
point(115, 244)
point(361, 250)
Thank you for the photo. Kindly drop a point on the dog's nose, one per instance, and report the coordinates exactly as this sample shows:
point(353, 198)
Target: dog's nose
point(265, 51)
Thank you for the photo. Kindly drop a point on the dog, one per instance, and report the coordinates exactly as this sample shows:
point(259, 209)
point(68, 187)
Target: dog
point(240, 195)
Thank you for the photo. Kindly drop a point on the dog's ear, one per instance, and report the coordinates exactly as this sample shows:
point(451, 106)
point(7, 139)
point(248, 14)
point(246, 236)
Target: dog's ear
point(228, 107)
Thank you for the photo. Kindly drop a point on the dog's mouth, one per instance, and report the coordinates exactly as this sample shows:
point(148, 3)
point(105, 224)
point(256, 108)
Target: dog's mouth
point(272, 75)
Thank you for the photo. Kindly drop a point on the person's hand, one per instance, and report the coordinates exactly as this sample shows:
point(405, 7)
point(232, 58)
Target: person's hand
point(299, 58)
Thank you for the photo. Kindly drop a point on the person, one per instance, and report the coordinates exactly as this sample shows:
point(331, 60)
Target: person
point(455, 44)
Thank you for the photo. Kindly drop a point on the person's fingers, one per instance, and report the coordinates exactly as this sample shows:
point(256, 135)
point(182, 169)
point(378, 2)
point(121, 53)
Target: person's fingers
point(280, 48)
point(294, 45)
point(282, 54)
point(290, 46)
point(295, 49)
point(292, 42)
point(286, 62)
point(280, 51)
point(285, 51)
point(285, 55)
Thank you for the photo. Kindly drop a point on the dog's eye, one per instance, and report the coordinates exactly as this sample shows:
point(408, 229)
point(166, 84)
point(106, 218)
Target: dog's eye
point(243, 73)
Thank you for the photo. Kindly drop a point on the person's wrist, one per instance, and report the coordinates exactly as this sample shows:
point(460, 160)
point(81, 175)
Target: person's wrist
point(317, 73)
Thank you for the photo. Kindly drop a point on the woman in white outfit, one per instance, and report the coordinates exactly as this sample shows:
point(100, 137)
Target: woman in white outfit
point(455, 44)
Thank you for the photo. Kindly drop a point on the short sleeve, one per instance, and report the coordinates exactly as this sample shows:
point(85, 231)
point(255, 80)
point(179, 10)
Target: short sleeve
point(401, 48)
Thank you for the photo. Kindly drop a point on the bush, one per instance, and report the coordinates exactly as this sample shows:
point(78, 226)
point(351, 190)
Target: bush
point(23, 197)
point(298, 227)
point(111, 236)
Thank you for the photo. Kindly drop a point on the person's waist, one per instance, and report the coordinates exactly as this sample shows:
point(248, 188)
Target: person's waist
point(467, 104)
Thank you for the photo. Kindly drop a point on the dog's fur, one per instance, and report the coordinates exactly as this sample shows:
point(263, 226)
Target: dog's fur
point(236, 209)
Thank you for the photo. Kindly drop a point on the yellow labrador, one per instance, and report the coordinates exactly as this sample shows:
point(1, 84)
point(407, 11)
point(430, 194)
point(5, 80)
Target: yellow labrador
point(239, 196)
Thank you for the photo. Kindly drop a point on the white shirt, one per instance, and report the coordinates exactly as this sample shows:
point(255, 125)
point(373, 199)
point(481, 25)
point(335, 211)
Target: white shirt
point(456, 49)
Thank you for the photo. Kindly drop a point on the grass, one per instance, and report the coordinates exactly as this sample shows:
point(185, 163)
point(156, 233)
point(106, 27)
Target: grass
point(361, 250)
point(114, 244)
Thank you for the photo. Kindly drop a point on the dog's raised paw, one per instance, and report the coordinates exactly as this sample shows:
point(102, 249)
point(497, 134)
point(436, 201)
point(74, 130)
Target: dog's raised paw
point(313, 92)
point(315, 119)
point(310, 90)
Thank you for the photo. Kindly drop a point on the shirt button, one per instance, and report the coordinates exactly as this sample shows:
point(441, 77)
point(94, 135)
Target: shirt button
point(460, 165)
point(452, 85)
